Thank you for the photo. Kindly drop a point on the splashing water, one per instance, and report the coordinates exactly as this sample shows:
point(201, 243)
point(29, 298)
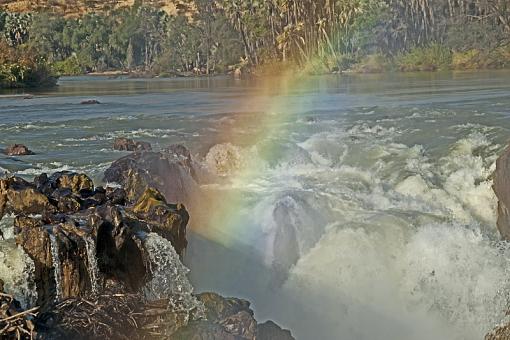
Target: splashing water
point(169, 277)
point(92, 267)
point(56, 267)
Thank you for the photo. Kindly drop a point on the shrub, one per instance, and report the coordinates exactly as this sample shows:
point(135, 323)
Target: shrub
point(69, 67)
point(430, 58)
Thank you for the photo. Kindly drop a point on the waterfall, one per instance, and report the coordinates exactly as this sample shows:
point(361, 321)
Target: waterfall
point(92, 268)
point(56, 267)
point(169, 277)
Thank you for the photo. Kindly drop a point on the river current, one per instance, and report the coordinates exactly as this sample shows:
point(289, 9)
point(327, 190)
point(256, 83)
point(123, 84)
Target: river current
point(360, 206)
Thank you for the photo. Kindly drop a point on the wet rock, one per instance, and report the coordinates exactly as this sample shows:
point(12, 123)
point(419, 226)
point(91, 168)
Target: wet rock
point(116, 195)
point(126, 144)
point(20, 197)
point(90, 102)
point(218, 308)
point(167, 220)
point(502, 189)
point(171, 172)
point(271, 331)
point(96, 263)
point(35, 241)
point(17, 150)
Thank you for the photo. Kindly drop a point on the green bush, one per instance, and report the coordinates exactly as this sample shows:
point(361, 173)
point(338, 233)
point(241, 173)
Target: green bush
point(430, 58)
point(69, 67)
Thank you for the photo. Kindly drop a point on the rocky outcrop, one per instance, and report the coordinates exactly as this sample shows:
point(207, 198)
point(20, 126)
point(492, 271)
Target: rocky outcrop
point(502, 189)
point(107, 261)
point(82, 237)
point(126, 144)
point(170, 171)
point(17, 150)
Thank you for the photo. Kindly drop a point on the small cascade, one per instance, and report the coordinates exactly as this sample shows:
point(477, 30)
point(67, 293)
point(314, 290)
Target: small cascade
point(169, 277)
point(56, 267)
point(92, 268)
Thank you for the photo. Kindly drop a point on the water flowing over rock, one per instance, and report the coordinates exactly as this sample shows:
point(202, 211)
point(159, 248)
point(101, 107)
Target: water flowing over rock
point(105, 266)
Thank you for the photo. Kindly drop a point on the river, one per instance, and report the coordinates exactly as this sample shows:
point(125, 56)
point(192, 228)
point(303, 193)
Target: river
point(342, 207)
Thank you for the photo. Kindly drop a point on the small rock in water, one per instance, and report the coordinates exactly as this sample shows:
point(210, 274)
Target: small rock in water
point(18, 150)
point(90, 102)
point(126, 144)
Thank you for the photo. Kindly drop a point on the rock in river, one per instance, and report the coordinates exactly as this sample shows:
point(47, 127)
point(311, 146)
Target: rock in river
point(17, 150)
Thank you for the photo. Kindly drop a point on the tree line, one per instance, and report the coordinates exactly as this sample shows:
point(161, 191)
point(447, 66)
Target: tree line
point(209, 36)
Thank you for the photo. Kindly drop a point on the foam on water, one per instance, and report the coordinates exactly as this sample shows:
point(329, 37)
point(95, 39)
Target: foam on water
point(169, 276)
point(16, 268)
point(57, 271)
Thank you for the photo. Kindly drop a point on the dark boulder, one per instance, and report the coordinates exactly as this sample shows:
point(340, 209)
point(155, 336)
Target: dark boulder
point(90, 102)
point(172, 172)
point(126, 144)
point(17, 150)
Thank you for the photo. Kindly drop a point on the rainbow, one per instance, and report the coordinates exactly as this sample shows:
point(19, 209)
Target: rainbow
point(224, 214)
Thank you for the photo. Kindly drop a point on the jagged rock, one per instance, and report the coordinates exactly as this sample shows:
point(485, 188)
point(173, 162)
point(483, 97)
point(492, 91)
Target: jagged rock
point(126, 144)
point(99, 262)
point(171, 172)
point(17, 196)
point(217, 308)
point(167, 220)
point(17, 150)
point(271, 331)
point(502, 189)
point(241, 324)
point(116, 195)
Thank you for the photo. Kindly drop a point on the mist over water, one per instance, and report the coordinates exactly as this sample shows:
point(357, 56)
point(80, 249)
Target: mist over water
point(365, 212)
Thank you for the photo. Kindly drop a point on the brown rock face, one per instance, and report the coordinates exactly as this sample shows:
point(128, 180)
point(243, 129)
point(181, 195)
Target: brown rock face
point(126, 144)
point(17, 196)
point(168, 220)
point(17, 150)
point(502, 189)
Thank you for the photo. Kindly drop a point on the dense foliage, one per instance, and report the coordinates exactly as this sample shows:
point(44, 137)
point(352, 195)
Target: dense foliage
point(208, 36)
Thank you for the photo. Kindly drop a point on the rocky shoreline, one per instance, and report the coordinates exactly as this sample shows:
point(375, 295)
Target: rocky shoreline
point(108, 259)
